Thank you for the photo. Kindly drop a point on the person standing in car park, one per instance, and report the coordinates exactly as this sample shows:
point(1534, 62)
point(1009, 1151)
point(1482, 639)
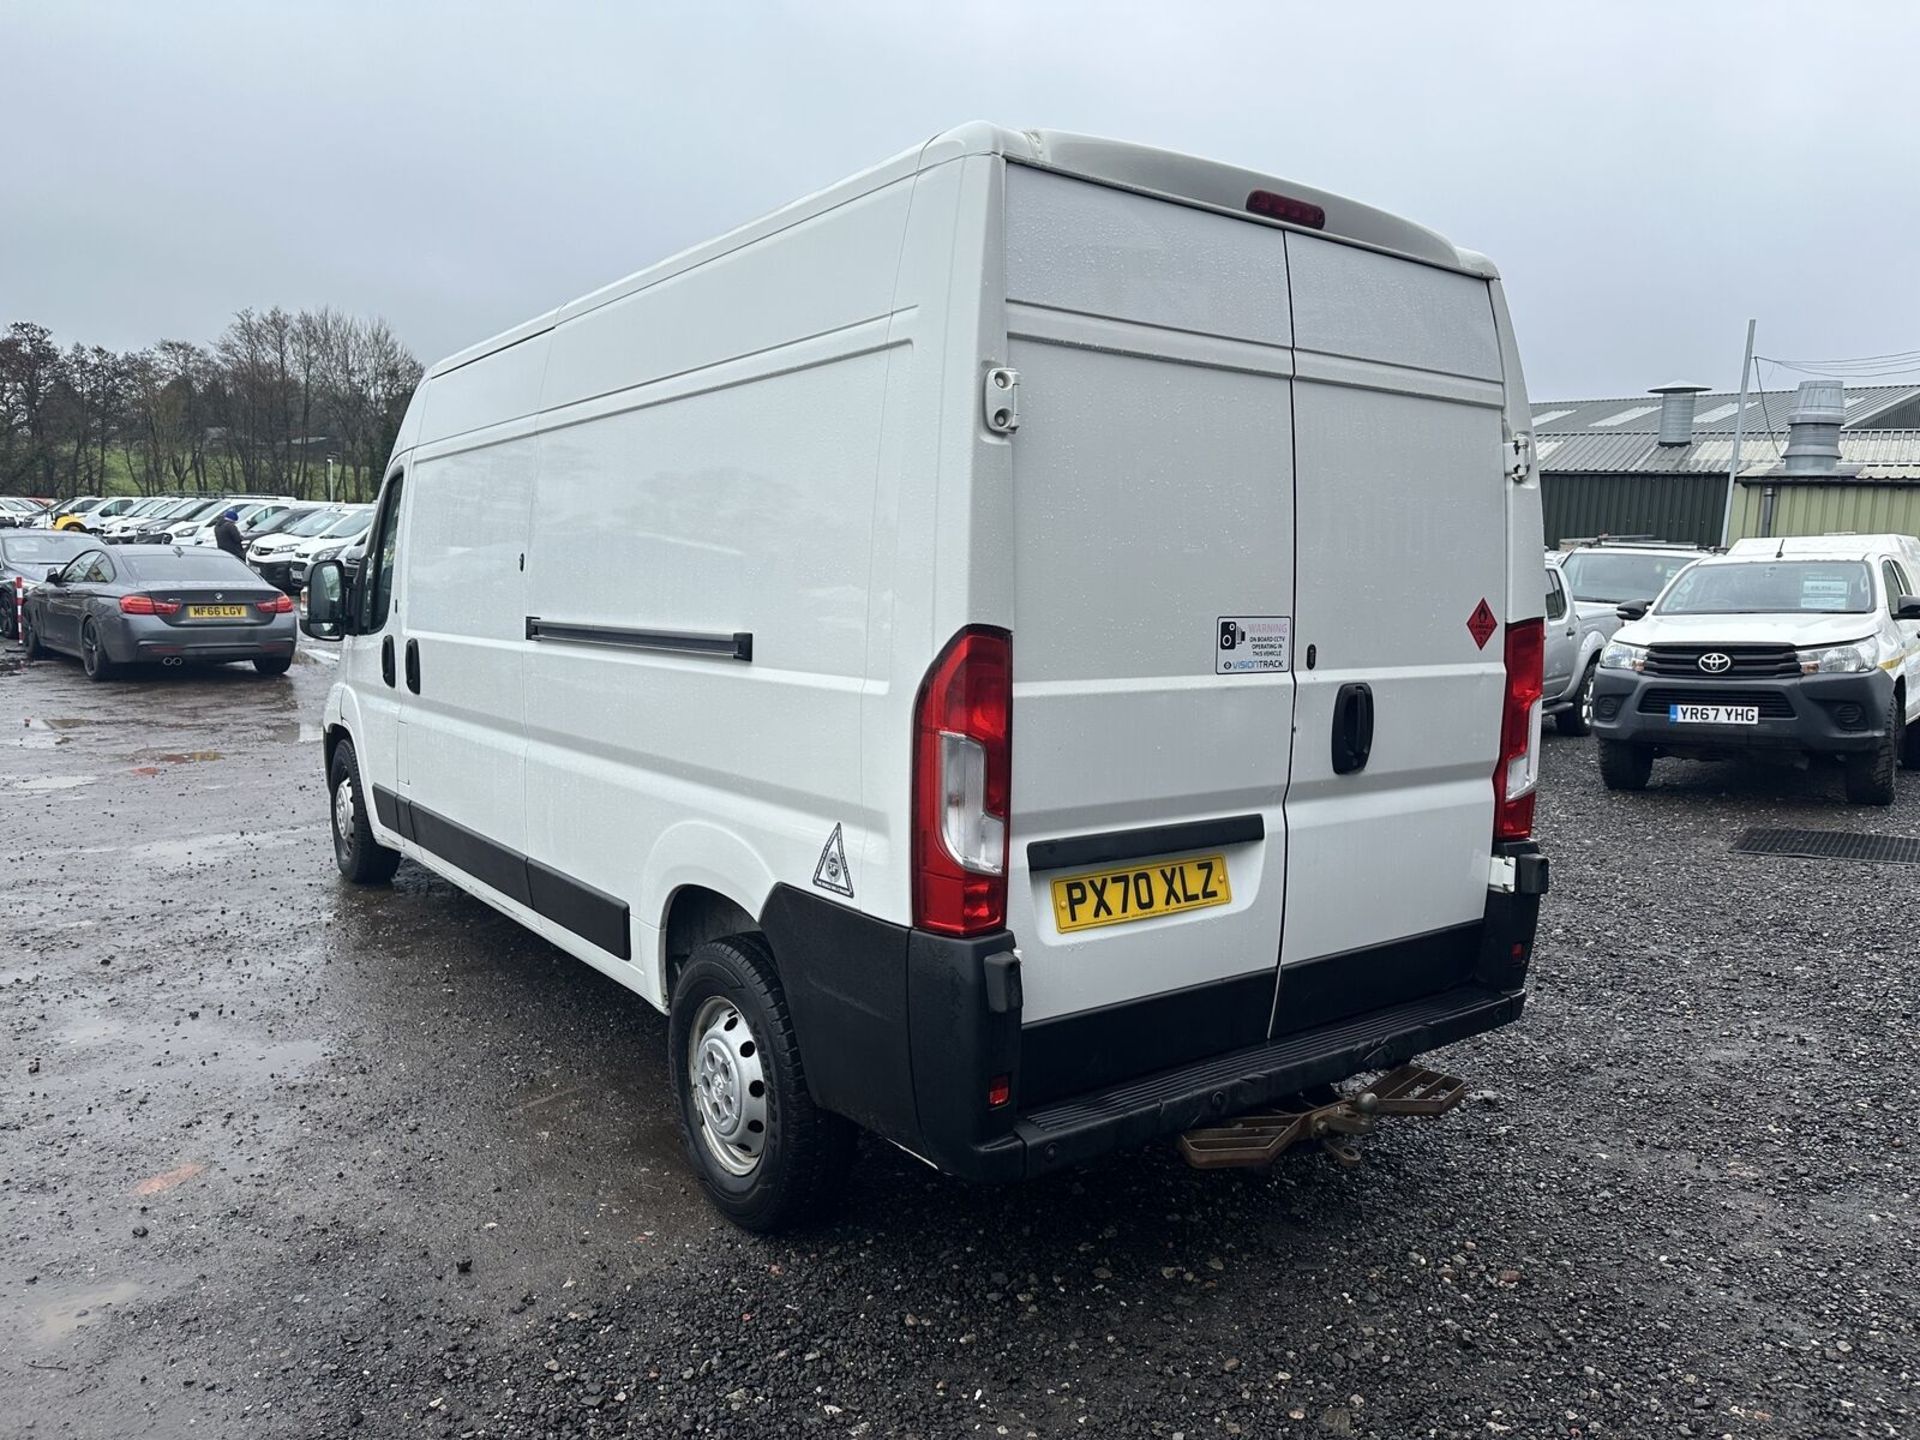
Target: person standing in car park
point(226, 534)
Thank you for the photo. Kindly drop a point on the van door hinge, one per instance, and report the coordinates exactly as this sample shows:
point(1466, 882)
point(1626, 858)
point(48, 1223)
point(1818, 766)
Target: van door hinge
point(1522, 445)
point(1000, 399)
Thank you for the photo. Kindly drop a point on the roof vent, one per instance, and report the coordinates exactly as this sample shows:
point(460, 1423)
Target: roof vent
point(1677, 399)
point(1813, 427)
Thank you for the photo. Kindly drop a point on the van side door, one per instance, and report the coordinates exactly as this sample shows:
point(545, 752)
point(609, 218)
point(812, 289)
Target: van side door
point(371, 661)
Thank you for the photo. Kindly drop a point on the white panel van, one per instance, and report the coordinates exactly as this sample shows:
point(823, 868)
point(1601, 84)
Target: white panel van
point(1027, 651)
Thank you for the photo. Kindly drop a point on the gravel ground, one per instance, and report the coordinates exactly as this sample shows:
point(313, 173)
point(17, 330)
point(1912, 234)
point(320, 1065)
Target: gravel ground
point(280, 1158)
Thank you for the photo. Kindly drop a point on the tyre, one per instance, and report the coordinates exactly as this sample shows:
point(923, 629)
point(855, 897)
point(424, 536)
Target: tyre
point(766, 1156)
point(361, 858)
point(1909, 745)
point(1624, 766)
point(30, 638)
point(9, 622)
point(93, 654)
point(1577, 718)
point(278, 665)
point(1870, 774)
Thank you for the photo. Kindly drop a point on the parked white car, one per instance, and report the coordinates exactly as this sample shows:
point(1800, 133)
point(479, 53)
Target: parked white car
point(273, 556)
point(253, 515)
point(696, 613)
point(1782, 649)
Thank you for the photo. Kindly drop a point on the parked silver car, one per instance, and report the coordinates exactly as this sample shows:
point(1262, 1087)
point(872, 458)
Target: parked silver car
point(1609, 572)
point(164, 603)
point(1575, 638)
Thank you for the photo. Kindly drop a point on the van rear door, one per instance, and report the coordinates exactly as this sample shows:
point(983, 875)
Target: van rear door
point(1153, 512)
point(1400, 595)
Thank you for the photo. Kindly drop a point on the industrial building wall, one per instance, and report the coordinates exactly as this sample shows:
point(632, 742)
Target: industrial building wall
point(1668, 507)
point(1827, 507)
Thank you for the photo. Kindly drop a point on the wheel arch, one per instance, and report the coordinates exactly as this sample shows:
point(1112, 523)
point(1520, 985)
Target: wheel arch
point(705, 876)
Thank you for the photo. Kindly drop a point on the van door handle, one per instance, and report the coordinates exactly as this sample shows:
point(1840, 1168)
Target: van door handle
point(413, 666)
point(386, 660)
point(1352, 728)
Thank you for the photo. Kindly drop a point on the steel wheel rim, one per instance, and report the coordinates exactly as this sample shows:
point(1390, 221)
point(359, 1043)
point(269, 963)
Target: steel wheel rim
point(728, 1086)
point(343, 814)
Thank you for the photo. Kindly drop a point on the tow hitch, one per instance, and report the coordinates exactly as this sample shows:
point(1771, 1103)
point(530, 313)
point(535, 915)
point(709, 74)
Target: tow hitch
point(1251, 1141)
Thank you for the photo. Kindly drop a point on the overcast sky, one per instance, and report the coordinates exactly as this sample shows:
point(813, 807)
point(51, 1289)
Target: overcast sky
point(1646, 176)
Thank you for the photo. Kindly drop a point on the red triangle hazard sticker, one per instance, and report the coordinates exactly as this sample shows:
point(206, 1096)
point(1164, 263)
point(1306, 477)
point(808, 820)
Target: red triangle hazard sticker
point(1481, 624)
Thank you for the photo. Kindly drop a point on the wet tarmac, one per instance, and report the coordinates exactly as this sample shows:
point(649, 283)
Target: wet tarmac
point(280, 1157)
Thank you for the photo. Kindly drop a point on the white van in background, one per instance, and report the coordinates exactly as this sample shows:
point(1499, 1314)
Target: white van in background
point(1032, 649)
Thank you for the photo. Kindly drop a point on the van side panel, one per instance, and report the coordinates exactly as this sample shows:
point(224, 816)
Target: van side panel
point(735, 498)
point(1398, 409)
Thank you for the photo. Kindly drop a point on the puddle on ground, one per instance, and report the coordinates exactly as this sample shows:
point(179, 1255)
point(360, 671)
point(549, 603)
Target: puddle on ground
point(186, 757)
point(301, 733)
point(210, 849)
point(40, 783)
point(44, 734)
point(57, 1319)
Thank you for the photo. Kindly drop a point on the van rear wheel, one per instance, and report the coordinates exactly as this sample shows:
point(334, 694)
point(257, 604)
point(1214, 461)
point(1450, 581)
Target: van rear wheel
point(361, 858)
point(1624, 766)
point(766, 1156)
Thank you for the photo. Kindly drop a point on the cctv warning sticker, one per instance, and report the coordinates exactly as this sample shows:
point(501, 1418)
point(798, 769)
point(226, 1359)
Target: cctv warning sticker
point(1248, 644)
point(832, 872)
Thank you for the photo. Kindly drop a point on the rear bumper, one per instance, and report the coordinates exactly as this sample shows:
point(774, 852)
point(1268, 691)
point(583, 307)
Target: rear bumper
point(905, 1032)
point(1815, 714)
point(145, 639)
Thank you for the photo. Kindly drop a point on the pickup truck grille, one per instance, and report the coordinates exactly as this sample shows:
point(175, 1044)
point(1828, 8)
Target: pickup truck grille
point(1655, 699)
point(1749, 662)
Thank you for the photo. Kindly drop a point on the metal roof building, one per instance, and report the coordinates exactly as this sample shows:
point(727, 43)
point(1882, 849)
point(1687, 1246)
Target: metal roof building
point(1657, 464)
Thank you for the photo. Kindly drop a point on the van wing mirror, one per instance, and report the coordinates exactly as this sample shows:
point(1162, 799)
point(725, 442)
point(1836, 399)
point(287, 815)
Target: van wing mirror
point(1908, 608)
point(324, 608)
point(1633, 609)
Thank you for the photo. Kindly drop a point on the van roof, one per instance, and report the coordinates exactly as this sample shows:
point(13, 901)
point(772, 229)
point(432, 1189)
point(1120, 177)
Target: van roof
point(1165, 173)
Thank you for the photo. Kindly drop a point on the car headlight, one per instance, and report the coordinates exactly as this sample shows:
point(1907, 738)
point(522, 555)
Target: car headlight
point(319, 555)
point(1838, 660)
point(1621, 656)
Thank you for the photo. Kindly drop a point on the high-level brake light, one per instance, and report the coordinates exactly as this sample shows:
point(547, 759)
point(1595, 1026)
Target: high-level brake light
point(1285, 207)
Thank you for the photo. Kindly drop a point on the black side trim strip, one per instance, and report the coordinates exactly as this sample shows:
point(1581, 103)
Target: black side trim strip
point(737, 645)
point(1152, 840)
point(592, 914)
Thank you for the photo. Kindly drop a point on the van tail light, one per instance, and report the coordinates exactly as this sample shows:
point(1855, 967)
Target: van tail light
point(278, 605)
point(147, 605)
point(962, 773)
point(1518, 774)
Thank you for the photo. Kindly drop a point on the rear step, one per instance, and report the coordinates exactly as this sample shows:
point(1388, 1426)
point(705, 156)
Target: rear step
point(1252, 1141)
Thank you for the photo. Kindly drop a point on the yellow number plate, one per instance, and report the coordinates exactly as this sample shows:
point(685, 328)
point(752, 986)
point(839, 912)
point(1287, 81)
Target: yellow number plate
point(1139, 892)
point(216, 612)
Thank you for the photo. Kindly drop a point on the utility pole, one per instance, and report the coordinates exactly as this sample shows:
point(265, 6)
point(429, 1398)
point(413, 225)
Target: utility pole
point(1739, 434)
point(330, 460)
